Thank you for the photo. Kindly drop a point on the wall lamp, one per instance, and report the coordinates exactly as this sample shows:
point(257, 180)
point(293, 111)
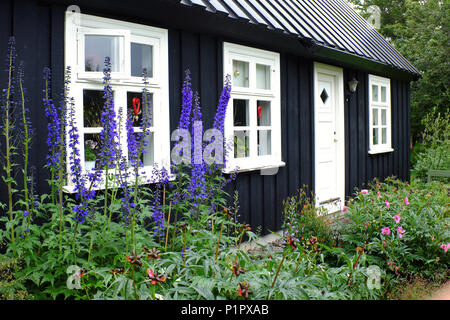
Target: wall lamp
point(352, 86)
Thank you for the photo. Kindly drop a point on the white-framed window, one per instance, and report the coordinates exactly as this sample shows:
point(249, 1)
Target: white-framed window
point(380, 128)
point(131, 48)
point(253, 119)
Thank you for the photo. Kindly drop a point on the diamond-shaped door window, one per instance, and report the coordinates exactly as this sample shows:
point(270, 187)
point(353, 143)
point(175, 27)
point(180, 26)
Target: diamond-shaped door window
point(324, 96)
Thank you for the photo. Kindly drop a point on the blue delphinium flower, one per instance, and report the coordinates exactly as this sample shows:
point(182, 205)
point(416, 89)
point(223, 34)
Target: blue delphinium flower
point(54, 124)
point(186, 103)
point(219, 119)
point(108, 134)
point(197, 183)
point(132, 141)
point(77, 176)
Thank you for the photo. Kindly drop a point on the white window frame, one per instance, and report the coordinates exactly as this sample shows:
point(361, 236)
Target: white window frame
point(253, 56)
point(379, 105)
point(76, 26)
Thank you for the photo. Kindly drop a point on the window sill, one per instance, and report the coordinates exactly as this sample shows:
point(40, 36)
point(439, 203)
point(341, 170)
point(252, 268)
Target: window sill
point(386, 150)
point(71, 188)
point(254, 168)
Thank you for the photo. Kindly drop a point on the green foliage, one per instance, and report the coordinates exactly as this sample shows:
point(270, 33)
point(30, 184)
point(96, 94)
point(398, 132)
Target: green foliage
point(435, 146)
point(424, 215)
point(302, 219)
point(11, 287)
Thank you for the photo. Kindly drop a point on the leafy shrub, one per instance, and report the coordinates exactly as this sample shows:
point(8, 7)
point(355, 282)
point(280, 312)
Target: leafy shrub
point(11, 287)
point(434, 152)
point(401, 227)
point(303, 220)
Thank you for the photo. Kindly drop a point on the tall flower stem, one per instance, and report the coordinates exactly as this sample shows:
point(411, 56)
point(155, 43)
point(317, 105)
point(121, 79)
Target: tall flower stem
point(168, 223)
point(26, 145)
point(279, 267)
point(61, 153)
point(298, 262)
point(134, 283)
point(218, 242)
point(7, 133)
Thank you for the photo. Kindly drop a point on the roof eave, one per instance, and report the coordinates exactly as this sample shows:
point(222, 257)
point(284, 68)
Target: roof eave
point(346, 59)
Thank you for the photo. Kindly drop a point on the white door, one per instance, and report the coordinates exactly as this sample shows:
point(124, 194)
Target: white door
point(329, 137)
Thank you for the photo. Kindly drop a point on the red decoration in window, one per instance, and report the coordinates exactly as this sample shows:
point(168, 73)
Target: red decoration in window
point(136, 105)
point(260, 110)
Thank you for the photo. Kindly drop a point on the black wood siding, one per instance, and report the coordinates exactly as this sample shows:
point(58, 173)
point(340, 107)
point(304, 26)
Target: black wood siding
point(40, 43)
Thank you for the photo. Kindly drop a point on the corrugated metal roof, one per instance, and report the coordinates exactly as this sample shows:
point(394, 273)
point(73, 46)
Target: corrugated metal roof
point(331, 24)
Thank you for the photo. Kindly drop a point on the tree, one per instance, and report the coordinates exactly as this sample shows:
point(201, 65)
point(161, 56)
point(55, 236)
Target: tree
point(419, 30)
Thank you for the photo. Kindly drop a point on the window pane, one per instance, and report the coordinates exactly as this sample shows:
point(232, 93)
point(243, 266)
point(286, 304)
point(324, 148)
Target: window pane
point(262, 76)
point(147, 156)
point(241, 144)
point(97, 48)
point(240, 74)
point(384, 135)
point(93, 102)
point(375, 136)
point(375, 116)
point(135, 105)
point(374, 93)
point(91, 148)
point(141, 58)
point(240, 113)
point(264, 142)
point(263, 113)
point(383, 117)
point(383, 94)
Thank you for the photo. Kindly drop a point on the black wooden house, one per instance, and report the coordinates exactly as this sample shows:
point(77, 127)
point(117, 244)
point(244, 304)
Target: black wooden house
point(293, 65)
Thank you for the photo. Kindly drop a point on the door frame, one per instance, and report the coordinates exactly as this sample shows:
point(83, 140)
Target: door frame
point(338, 74)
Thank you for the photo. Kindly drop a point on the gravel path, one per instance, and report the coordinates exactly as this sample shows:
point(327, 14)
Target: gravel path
point(443, 293)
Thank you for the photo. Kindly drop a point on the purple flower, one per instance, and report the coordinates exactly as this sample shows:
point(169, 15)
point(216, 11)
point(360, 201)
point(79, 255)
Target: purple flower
point(53, 126)
point(108, 134)
point(219, 119)
point(186, 104)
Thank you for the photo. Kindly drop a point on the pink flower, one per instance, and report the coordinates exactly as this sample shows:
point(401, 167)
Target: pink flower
point(388, 205)
point(445, 247)
point(406, 201)
point(344, 209)
point(386, 231)
point(397, 218)
point(384, 243)
point(378, 194)
point(400, 232)
point(364, 191)
point(367, 224)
